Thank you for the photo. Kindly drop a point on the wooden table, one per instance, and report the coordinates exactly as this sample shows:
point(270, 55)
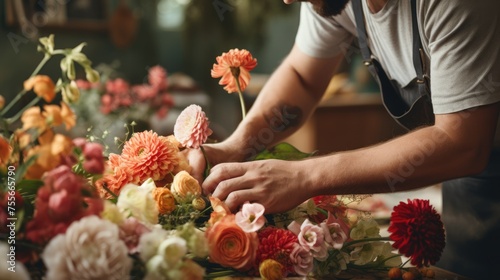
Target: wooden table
point(440, 274)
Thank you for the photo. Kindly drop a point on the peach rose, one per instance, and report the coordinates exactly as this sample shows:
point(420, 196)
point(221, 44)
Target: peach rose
point(185, 186)
point(230, 246)
point(42, 85)
point(165, 201)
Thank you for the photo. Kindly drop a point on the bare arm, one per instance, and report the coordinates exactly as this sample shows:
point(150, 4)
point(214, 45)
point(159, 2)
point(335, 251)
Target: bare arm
point(457, 145)
point(283, 105)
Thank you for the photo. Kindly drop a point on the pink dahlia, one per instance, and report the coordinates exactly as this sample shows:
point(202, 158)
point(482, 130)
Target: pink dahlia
point(277, 244)
point(191, 128)
point(147, 155)
point(417, 231)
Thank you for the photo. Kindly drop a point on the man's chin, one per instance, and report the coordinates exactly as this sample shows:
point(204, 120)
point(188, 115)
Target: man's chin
point(328, 8)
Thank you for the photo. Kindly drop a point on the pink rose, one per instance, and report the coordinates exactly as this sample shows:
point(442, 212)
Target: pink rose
point(302, 260)
point(335, 236)
point(130, 233)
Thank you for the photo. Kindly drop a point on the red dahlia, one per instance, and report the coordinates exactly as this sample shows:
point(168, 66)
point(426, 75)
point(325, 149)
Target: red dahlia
point(276, 244)
point(417, 232)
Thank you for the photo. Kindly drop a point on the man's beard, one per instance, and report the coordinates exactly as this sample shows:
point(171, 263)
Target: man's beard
point(327, 8)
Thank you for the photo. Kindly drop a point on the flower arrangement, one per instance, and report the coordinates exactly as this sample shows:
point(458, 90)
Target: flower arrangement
point(68, 211)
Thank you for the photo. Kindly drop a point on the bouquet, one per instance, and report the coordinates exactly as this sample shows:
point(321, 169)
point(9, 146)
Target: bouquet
point(69, 210)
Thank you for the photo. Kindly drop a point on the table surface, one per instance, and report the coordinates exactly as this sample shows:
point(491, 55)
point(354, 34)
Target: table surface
point(439, 274)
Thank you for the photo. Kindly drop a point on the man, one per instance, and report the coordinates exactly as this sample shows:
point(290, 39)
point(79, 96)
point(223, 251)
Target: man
point(461, 57)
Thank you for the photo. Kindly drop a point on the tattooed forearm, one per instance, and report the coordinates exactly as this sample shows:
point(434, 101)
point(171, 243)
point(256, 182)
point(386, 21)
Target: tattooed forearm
point(283, 117)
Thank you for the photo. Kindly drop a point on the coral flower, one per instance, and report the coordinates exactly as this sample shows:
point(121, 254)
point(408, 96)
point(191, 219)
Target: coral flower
point(277, 244)
point(5, 150)
point(417, 231)
point(230, 246)
point(42, 85)
point(157, 77)
point(234, 67)
point(147, 155)
point(191, 128)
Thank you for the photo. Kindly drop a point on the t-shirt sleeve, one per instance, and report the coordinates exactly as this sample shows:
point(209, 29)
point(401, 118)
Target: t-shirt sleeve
point(464, 40)
point(318, 36)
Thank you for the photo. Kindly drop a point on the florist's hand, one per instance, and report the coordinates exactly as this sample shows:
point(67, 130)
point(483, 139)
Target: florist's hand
point(276, 184)
point(214, 153)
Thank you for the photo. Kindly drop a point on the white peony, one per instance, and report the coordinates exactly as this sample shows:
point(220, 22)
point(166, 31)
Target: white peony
point(90, 249)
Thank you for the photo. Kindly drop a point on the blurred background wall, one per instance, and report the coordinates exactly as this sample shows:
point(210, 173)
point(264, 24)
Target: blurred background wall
point(134, 35)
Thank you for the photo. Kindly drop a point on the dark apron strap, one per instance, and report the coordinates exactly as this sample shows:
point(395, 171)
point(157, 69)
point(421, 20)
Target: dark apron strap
point(363, 35)
point(411, 106)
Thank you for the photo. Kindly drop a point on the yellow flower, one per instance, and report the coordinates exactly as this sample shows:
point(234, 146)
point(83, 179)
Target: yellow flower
point(165, 201)
point(271, 270)
point(42, 85)
point(185, 187)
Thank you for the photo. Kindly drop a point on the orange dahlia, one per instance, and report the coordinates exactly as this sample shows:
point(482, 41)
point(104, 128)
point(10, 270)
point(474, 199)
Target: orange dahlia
point(147, 155)
point(234, 67)
point(417, 231)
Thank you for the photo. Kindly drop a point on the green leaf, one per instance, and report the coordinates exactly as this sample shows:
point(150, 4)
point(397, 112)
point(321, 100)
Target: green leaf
point(28, 187)
point(284, 151)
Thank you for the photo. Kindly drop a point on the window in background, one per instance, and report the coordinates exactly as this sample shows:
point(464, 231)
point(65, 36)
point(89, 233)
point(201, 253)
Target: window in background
point(171, 13)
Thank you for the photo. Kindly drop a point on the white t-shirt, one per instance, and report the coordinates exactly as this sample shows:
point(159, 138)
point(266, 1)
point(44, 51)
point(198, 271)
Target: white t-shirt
point(461, 39)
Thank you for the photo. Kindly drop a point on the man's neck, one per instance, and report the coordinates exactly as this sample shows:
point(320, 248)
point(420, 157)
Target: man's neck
point(376, 5)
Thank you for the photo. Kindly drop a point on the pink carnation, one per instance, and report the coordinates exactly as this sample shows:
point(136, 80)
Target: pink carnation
point(191, 128)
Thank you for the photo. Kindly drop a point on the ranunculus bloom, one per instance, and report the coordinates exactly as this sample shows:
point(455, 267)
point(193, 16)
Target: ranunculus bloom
point(165, 201)
point(146, 155)
point(191, 127)
point(185, 186)
point(230, 246)
point(302, 260)
point(335, 236)
point(311, 237)
point(271, 270)
point(277, 244)
point(417, 231)
point(33, 118)
point(234, 65)
point(42, 85)
point(251, 217)
point(90, 249)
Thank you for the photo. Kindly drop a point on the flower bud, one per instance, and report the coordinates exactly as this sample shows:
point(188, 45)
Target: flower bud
point(92, 75)
point(199, 203)
point(71, 93)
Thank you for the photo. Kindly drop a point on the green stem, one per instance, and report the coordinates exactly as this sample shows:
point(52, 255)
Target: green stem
point(242, 101)
point(18, 115)
point(23, 92)
point(208, 166)
point(367, 240)
point(40, 65)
